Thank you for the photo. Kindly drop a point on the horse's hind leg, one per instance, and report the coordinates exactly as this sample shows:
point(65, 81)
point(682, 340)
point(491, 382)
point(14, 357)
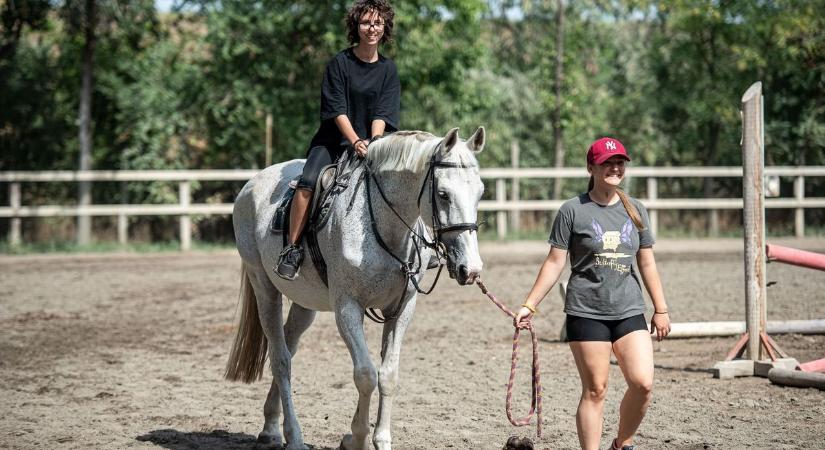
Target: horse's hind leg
point(271, 316)
point(298, 320)
point(349, 317)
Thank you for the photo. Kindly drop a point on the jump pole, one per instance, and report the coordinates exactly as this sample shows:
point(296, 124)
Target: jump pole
point(756, 338)
point(795, 257)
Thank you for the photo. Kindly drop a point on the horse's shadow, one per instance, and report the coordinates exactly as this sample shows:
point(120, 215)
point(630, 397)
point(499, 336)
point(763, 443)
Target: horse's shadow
point(213, 440)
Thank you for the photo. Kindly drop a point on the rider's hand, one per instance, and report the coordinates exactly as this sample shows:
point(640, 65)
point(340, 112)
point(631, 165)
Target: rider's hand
point(660, 324)
point(361, 147)
point(523, 318)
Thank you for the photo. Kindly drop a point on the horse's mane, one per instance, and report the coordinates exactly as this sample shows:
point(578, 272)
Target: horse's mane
point(410, 151)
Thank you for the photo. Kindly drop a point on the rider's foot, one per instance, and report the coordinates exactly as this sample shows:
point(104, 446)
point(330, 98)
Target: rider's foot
point(289, 262)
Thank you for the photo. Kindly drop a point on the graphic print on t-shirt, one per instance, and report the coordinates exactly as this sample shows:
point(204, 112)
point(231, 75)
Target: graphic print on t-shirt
point(611, 240)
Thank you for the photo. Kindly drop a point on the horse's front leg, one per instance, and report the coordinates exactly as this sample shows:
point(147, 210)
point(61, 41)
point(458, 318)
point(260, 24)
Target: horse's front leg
point(349, 316)
point(388, 372)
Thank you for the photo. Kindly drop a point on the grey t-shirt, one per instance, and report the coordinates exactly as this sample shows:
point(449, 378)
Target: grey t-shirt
point(602, 242)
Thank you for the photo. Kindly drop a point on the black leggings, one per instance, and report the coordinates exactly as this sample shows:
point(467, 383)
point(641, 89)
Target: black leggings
point(317, 158)
point(585, 329)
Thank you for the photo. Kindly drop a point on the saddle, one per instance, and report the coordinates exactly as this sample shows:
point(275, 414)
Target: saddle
point(332, 180)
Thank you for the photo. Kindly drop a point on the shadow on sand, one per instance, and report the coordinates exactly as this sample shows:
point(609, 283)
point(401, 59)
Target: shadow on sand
point(213, 440)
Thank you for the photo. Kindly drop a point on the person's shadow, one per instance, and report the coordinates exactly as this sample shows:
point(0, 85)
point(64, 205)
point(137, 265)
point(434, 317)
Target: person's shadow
point(213, 440)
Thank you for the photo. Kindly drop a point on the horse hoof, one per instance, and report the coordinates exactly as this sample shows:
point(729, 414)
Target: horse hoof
point(348, 443)
point(268, 441)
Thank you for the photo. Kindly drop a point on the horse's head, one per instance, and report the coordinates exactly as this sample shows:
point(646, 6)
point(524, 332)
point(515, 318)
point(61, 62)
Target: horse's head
point(455, 189)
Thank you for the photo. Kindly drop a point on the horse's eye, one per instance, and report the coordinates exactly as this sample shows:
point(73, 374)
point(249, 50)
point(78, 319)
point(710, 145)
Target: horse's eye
point(443, 195)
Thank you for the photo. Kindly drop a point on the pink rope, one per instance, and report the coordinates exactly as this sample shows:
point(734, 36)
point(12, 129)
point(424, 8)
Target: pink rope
point(535, 403)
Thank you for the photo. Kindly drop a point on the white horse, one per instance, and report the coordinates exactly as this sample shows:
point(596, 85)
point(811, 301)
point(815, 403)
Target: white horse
point(374, 256)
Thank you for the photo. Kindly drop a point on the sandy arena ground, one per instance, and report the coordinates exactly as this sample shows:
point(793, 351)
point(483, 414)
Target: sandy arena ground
point(127, 351)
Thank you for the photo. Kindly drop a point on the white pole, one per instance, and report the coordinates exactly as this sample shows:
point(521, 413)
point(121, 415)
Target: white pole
point(185, 220)
point(515, 215)
point(14, 200)
point(501, 216)
point(799, 194)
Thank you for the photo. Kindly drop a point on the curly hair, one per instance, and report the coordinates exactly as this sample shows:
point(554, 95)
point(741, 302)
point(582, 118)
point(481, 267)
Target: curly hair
point(359, 8)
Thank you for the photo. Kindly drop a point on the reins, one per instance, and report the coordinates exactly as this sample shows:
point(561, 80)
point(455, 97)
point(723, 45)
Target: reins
point(535, 402)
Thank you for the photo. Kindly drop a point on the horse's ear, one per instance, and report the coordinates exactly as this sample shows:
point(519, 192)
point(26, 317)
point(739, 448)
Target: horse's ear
point(450, 139)
point(476, 141)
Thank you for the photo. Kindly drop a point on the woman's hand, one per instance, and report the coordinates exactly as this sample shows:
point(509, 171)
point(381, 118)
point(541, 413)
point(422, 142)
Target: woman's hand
point(360, 147)
point(660, 324)
point(523, 318)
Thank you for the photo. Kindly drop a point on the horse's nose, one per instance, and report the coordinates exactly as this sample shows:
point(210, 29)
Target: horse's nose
point(467, 275)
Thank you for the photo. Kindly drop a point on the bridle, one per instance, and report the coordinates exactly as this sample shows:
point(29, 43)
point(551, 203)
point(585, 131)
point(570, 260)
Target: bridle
point(412, 267)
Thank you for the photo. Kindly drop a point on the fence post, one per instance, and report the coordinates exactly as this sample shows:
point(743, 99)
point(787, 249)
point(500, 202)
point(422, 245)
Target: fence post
point(501, 215)
point(122, 218)
point(653, 194)
point(14, 200)
point(799, 194)
point(515, 215)
point(185, 220)
point(84, 220)
point(754, 217)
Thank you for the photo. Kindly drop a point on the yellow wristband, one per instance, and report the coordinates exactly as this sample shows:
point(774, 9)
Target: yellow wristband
point(531, 308)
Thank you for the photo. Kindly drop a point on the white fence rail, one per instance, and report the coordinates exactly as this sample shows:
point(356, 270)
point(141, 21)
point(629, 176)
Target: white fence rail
point(503, 204)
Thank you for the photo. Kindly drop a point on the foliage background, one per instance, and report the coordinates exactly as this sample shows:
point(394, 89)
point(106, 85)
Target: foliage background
point(190, 88)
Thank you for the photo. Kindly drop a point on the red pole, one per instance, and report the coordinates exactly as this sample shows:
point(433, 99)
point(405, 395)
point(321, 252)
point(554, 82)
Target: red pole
point(796, 257)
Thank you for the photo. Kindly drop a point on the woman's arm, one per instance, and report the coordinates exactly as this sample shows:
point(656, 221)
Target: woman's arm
point(660, 323)
point(548, 275)
point(378, 126)
point(345, 126)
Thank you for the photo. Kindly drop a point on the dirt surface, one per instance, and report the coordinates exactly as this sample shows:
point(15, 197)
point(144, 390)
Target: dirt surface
point(127, 351)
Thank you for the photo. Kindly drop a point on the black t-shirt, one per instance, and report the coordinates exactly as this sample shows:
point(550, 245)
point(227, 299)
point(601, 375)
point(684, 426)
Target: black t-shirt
point(361, 90)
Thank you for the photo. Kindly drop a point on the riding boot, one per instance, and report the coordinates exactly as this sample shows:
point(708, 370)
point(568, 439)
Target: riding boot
point(289, 262)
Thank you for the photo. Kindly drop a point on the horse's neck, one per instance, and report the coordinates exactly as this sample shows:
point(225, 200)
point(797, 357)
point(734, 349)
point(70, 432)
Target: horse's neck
point(401, 190)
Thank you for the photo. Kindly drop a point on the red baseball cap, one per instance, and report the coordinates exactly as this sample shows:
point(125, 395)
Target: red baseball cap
point(601, 150)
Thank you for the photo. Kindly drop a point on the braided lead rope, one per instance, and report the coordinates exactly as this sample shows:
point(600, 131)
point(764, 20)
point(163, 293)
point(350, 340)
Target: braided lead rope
point(535, 403)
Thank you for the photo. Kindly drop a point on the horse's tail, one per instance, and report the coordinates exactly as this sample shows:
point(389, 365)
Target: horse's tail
point(248, 356)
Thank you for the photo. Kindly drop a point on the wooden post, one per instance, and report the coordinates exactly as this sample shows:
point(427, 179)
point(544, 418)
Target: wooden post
point(14, 200)
point(501, 216)
point(268, 149)
point(122, 218)
point(799, 194)
point(84, 220)
point(754, 217)
point(515, 215)
point(185, 220)
point(653, 194)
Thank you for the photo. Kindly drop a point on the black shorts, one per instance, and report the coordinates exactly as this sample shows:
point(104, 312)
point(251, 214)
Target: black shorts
point(585, 329)
point(317, 158)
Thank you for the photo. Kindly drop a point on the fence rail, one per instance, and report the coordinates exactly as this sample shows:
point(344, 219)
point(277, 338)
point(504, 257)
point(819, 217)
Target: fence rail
point(502, 203)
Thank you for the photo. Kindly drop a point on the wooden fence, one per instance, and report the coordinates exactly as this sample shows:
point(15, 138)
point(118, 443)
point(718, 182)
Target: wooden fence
point(503, 204)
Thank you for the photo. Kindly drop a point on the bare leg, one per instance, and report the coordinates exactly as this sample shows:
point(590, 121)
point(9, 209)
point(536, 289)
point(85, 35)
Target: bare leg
point(297, 322)
point(350, 319)
point(634, 352)
point(271, 315)
point(298, 213)
point(593, 362)
point(388, 373)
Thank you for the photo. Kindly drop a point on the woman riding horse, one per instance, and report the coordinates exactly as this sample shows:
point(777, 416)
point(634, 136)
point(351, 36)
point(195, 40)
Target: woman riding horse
point(360, 96)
